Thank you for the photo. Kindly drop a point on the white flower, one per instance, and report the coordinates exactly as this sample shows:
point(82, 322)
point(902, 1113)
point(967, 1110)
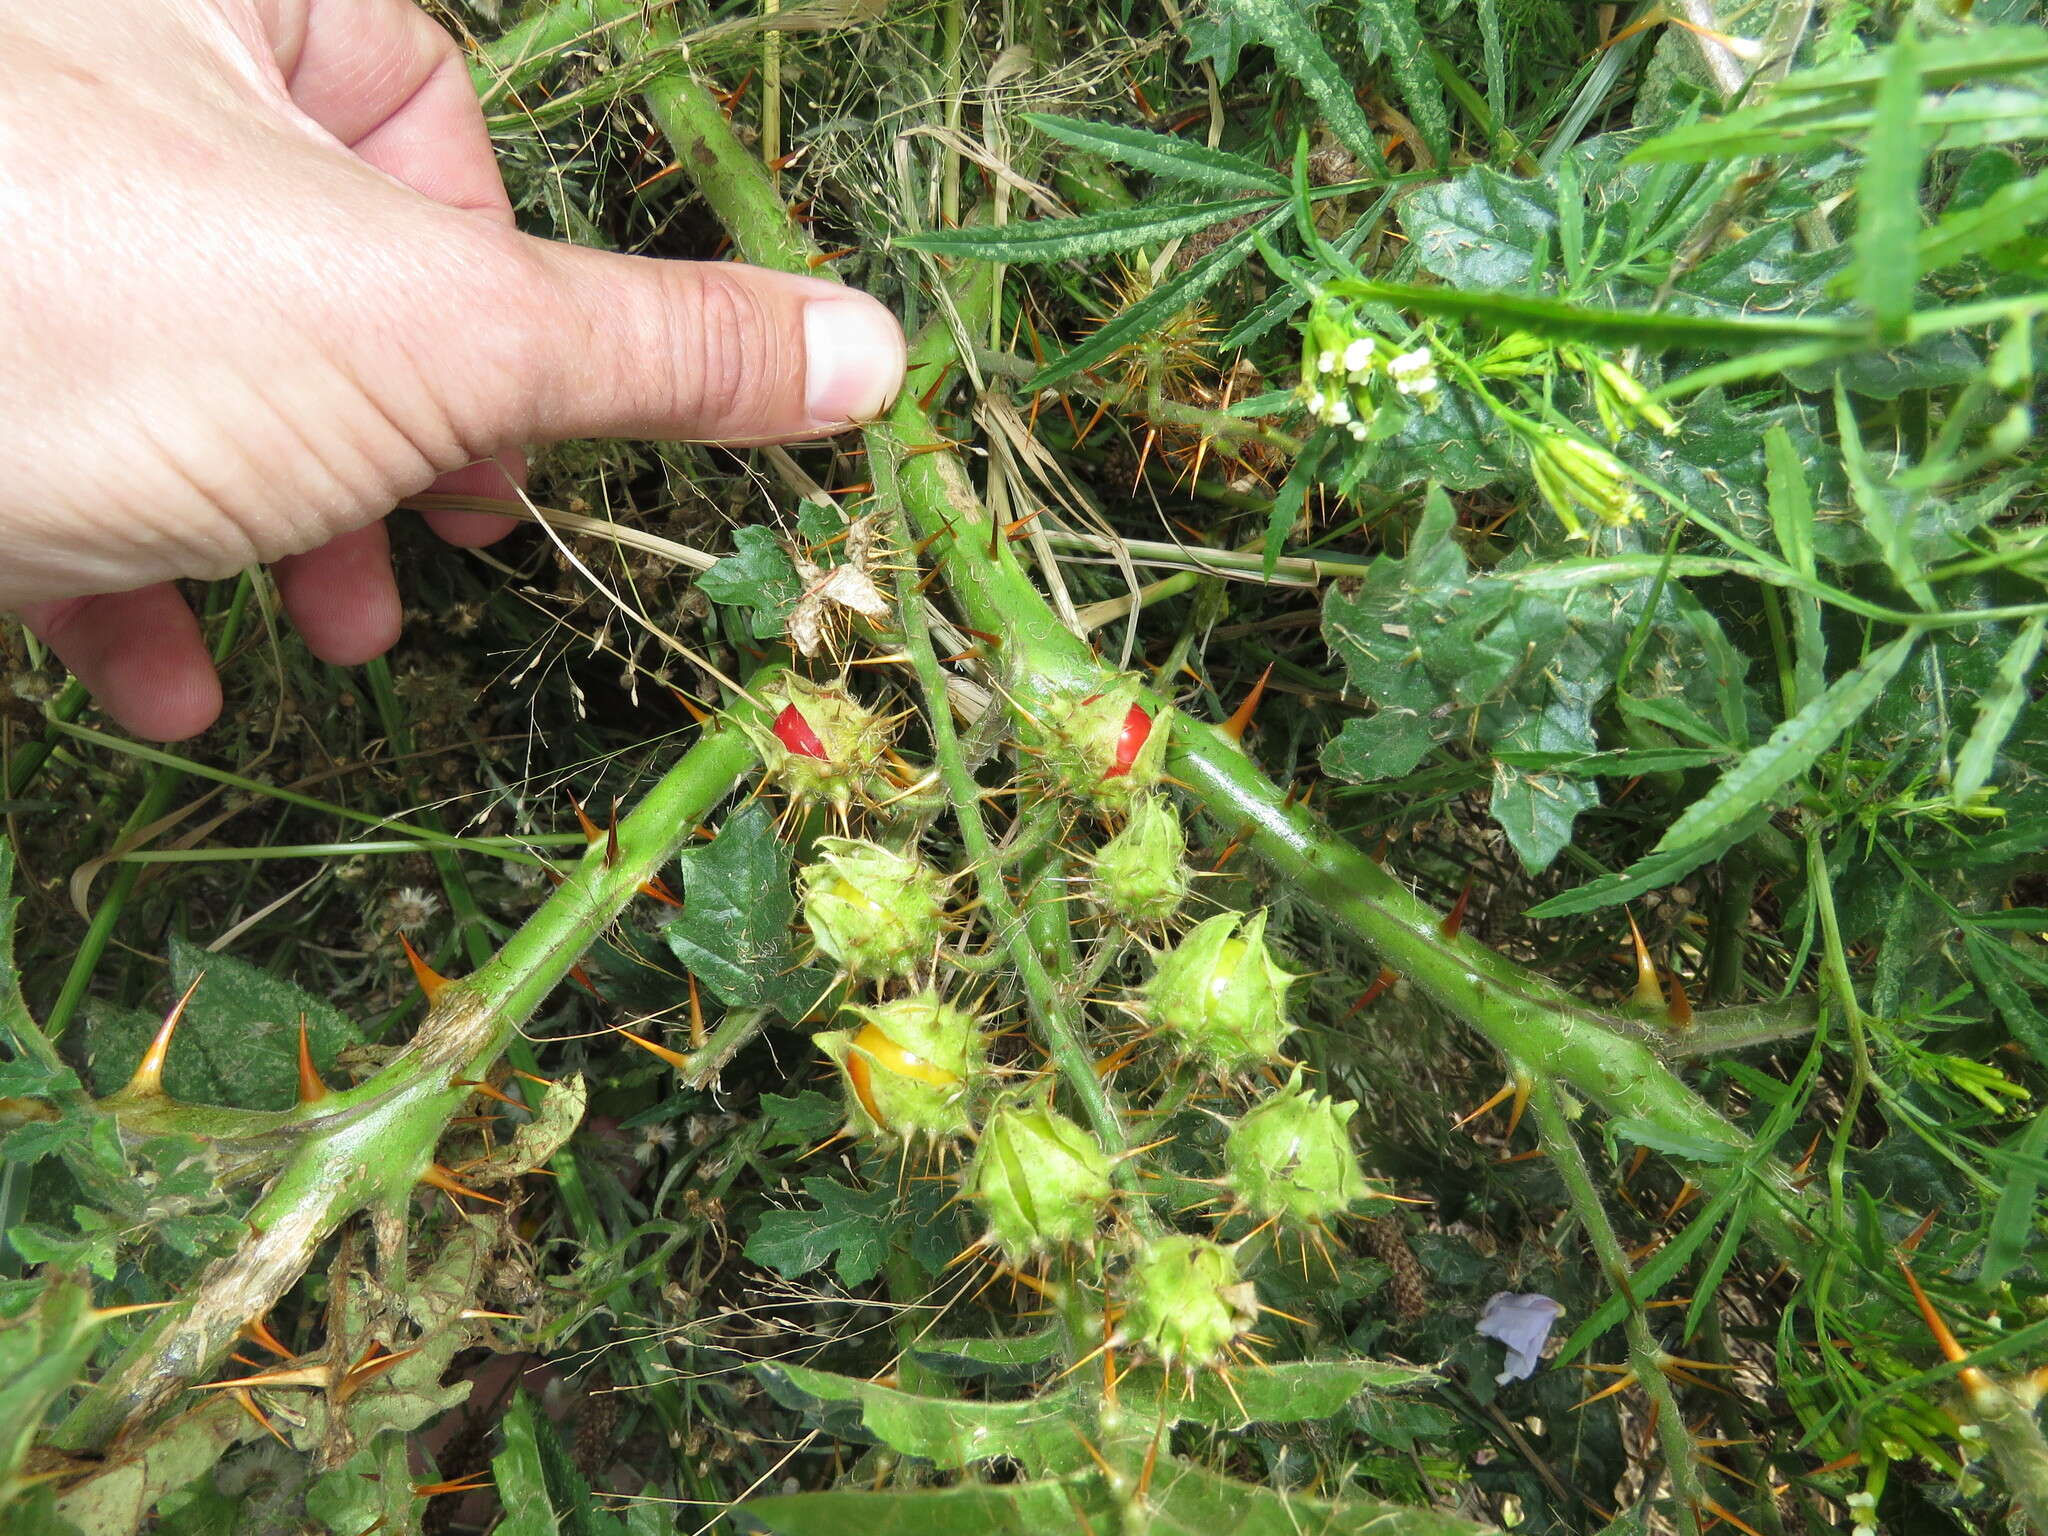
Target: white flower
point(1358, 432)
point(1326, 362)
point(1316, 403)
point(1413, 373)
point(1358, 356)
point(1339, 412)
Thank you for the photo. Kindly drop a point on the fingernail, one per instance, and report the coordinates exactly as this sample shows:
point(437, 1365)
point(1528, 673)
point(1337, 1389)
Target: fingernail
point(853, 359)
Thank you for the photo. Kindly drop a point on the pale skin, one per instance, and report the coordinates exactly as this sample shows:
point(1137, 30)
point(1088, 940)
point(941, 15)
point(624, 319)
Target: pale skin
point(259, 282)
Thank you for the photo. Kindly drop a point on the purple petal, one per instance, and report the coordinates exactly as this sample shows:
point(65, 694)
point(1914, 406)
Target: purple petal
point(1520, 1320)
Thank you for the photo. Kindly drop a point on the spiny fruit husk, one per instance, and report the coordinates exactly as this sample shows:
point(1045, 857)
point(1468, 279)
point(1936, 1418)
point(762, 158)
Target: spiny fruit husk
point(1041, 1180)
point(1290, 1157)
point(1185, 1301)
point(1106, 748)
point(876, 912)
point(821, 742)
point(1219, 996)
point(910, 1068)
point(1141, 874)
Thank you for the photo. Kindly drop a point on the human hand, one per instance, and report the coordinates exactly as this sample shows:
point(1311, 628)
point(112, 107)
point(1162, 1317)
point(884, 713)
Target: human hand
point(260, 282)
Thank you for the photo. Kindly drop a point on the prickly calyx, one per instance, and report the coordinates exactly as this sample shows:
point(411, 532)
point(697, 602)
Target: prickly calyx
point(823, 743)
point(1290, 1157)
point(1041, 1180)
point(1185, 1301)
point(1106, 748)
point(876, 912)
point(1140, 876)
point(1219, 996)
point(910, 1068)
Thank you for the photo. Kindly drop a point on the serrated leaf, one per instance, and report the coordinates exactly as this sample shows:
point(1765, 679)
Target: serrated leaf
point(1049, 1508)
point(1888, 194)
point(1390, 30)
point(1088, 234)
point(799, 1120)
point(1576, 322)
point(2007, 215)
point(1188, 1500)
point(1793, 747)
point(519, 1477)
point(758, 576)
point(1155, 308)
point(1997, 712)
point(1479, 229)
point(1162, 154)
point(848, 1228)
point(1285, 27)
point(733, 931)
point(951, 1433)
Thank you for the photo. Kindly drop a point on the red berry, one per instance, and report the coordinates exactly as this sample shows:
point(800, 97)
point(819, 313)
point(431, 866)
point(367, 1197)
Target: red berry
point(1130, 742)
point(796, 735)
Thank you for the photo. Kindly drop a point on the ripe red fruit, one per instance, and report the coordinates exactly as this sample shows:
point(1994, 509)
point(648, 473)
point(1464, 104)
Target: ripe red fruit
point(796, 735)
point(1137, 728)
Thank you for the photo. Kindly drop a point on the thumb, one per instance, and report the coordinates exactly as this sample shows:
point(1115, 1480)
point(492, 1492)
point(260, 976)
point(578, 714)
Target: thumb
point(634, 346)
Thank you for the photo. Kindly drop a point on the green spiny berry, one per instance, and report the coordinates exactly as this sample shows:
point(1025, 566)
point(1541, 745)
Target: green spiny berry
point(910, 1068)
point(1185, 1301)
point(1106, 748)
point(823, 743)
point(874, 911)
point(1141, 877)
point(1290, 1157)
point(1219, 995)
point(1042, 1180)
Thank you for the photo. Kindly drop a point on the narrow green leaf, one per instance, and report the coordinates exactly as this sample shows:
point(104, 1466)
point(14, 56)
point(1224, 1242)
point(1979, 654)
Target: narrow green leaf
point(1888, 193)
point(1887, 507)
point(2012, 212)
point(1996, 713)
point(1392, 32)
point(1091, 234)
point(1649, 873)
point(1155, 308)
point(1284, 27)
point(1162, 154)
point(1551, 317)
point(521, 1481)
point(2011, 1238)
point(1793, 747)
point(1049, 1508)
point(1791, 505)
point(1188, 1500)
point(949, 1432)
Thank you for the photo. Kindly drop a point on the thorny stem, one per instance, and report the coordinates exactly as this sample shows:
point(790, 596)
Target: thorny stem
point(364, 1149)
point(1646, 1356)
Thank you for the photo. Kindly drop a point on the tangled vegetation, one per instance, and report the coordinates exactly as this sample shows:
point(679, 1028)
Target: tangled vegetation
point(1378, 865)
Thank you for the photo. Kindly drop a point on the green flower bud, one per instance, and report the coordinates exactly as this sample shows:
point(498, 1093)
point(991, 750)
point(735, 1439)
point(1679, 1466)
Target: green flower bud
point(823, 743)
point(1185, 1301)
point(870, 908)
point(1140, 876)
point(1219, 995)
point(1290, 1157)
point(910, 1067)
point(1106, 748)
point(1041, 1179)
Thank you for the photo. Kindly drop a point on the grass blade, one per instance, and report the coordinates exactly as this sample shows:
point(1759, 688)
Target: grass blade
point(1791, 505)
point(1092, 234)
point(1162, 154)
point(1996, 713)
point(1284, 27)
point(1888, 194)
point(1754, 782)
point(1553, 318)
point(2010, 213)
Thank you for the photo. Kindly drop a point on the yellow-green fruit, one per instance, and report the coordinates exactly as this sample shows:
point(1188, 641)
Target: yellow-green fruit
point(1106, 748)
point(1041, 1180)
point(822, 742)
point(1219, 996)
point(1141, 877)
point(1185, 1301)
point(873, 910)
point(911, 1067)
point(1290, 1157)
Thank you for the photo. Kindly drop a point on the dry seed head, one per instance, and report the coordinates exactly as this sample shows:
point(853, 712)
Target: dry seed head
point(1220, 996)
point(1141, 877)
point(910, 1068)
point(1041, 1180)
point(1290, 1157)
point(876, 912)
point(1185, 1300)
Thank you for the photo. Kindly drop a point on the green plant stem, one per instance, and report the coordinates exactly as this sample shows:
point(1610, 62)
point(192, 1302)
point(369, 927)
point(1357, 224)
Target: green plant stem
point(365, 1148)
point(1646, 1356)
point(156, 800)
point(24, 765)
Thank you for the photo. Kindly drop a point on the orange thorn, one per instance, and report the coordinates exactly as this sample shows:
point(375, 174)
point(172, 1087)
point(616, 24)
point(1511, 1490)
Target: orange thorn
point(444, 1179)
point(660, 892)
point(1686, 1190)
point(1649, 993)
point(477, 1086)
point(824, 257)
point(1015, 528)
point(1680, 1011)
point(1911, 1241)
point(697, 1035)
point(257, 1331)
point(1241, 717)
point(1507, 1091)
point(148, 1080)
point(582, 979)
point(370, 1366)
point(472, 1483)
point(1455, 918)
point(1640, 1156)
point(1119, 1057)
point(311, 1089)
point(611, 837)
point(675, 1059)
point(1622, 1384)
point(1521, 1103)
point(1381, 983)
point(1839, 1464)
point(1740, 1525)
point(432, 982)
point(701, 716)
point(1974, 1380)
point(246, 1401)
point(591, 831)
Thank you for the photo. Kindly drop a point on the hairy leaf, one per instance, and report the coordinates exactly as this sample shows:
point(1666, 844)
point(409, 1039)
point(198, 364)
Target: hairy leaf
point(733, 933)
point(1088, 234)
point(1163, 154)
point(1285, 27)
point(849, 1228)
point(1048, 1508)
point(1997, 712)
